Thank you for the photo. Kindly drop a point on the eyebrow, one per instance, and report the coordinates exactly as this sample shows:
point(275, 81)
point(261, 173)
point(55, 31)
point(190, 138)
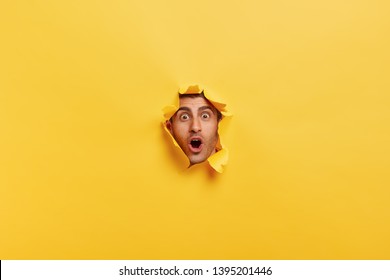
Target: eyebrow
point(205, 108)
point(184, 109)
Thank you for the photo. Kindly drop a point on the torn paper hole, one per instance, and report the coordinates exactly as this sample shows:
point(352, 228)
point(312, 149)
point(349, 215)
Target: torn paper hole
point(193, 123)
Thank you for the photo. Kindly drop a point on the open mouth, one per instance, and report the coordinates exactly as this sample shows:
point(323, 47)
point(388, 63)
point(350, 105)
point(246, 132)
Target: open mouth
point(196, 145)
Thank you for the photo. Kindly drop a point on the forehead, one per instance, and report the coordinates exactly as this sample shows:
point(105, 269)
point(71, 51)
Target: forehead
point(194, 102)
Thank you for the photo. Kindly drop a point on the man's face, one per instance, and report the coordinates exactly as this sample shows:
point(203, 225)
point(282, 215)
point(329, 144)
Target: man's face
point(195, 128)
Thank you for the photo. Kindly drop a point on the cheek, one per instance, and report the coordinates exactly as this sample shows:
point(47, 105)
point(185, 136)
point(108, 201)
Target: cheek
point(212, 130)
point(179, 131)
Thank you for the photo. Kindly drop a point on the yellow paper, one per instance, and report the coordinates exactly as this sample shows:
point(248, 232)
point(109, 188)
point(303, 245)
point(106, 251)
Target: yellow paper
point(87, 172)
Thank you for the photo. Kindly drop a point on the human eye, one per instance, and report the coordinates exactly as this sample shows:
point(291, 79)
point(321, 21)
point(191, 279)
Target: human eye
point(205, 116)
point(184, 117)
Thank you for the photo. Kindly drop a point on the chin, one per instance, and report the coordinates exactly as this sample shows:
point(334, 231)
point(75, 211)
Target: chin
point(197, 160)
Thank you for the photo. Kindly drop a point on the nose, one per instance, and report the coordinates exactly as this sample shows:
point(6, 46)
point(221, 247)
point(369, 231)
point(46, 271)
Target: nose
point(196, 125)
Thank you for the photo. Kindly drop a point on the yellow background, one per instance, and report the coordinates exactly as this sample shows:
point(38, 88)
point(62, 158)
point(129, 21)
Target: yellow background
point(85, 169)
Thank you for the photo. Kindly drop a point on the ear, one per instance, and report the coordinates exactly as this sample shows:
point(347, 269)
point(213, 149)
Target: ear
point(169, 125)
